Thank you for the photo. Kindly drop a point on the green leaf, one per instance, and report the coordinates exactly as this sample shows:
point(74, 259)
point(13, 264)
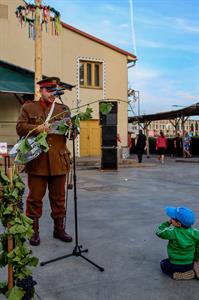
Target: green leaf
point(63, 128)
point(4, 177)
point(24, 146)
point(82, 116)
point(19, 185)
point(8, 210)
point(87, 115)
point(105, 108)
point(16, 293)
point(15, 193)
point(26, 220)
point(24, 272)
point(41, 141)
point(3, 287)
point(17, 229)
point(20, 158)
point(76, 120)
point(3, 258)
point(33, 261)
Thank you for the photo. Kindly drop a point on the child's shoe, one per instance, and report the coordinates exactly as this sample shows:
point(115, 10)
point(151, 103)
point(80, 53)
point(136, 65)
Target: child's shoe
point(196, 268)
point(184, 275)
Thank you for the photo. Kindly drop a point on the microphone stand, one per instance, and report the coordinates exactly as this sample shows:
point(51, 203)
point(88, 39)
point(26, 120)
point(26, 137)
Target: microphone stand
point(78, 249)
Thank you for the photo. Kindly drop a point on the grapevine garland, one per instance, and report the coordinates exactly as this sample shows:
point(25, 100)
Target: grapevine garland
point(20, 228)
point(28, 14)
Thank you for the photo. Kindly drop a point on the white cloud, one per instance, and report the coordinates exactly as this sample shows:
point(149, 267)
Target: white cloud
point(187, 96)
point(158, 91)
point(139, 73)
point(150, 44)
point(124, 25)
point(186, 26)
point(179, 47)
point(149, 17)
point(106, 22)
point(110, 7)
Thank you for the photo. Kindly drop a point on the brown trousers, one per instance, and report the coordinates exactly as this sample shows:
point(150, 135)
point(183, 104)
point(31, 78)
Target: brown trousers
point(37, 189)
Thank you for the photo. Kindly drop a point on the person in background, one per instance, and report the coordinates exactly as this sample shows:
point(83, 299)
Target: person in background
point(129, 142)
point(186, 145)
point(178, 146)
point(161, 146)
point(140, 145)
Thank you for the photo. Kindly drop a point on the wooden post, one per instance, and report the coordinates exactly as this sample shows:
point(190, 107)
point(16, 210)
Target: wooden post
point(10, 240)
point(38, 50)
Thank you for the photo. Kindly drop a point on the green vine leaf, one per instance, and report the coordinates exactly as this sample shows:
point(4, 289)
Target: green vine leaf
point(41, 141)
point(20, 228)
point(24, 146)
point(3, 177)
point(3, 256)
point(76, 120)
point(33, 261)
point(16, 293)
point(3, 288)
point(15, 193)
point(16, 229)
point(63, 128)
point(105, 108)
point(82, 116)
point(87, 115)
point(8, 210)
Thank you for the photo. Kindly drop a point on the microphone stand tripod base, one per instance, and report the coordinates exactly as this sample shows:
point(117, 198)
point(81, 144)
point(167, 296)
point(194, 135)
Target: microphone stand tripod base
point(77, 251)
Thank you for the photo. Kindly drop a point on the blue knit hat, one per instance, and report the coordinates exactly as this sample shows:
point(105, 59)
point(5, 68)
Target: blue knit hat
point(183, 214)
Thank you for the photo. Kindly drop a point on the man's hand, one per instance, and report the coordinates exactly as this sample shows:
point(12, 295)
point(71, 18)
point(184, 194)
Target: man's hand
point(43, 127)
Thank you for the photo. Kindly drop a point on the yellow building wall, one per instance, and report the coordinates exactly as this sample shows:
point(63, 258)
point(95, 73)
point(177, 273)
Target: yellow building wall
point(60, 58)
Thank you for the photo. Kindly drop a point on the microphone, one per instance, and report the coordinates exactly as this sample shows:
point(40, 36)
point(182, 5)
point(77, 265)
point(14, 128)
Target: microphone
point(58, 93)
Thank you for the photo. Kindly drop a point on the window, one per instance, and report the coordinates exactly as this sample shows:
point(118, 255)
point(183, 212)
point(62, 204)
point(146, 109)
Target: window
point(90, 74)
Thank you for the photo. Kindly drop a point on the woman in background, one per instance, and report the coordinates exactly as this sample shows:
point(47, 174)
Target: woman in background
point(161, 146)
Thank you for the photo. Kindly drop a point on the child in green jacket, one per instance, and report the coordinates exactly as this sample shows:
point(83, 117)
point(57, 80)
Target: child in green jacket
point(183, 246)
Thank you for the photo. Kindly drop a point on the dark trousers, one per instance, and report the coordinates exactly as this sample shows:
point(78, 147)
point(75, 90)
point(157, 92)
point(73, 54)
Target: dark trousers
point(139, 154)
point(37, 189)
point(169, 268)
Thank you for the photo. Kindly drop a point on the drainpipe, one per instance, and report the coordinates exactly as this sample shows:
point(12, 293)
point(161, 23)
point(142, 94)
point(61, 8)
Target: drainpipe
point(132, 65)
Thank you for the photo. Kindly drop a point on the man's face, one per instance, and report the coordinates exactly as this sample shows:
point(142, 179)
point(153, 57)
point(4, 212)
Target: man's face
point(47, 95)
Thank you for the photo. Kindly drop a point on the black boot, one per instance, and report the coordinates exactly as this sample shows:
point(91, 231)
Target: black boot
point(59, 231)
point(35, 239)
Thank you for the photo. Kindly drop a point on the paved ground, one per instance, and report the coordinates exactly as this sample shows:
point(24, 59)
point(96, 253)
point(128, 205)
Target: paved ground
point(118, 214)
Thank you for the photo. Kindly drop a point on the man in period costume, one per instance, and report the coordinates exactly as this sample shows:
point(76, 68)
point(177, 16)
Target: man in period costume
point(48, 169)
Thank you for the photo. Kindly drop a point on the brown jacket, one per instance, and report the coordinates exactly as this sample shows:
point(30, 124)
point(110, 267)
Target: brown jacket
point(57, 160)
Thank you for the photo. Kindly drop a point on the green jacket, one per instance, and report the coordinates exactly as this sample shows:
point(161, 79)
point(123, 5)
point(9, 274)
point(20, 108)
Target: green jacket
point(183, 246)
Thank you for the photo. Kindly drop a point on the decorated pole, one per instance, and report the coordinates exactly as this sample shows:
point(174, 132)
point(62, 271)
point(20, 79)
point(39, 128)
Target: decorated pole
point(38, 48)
point(38, 16)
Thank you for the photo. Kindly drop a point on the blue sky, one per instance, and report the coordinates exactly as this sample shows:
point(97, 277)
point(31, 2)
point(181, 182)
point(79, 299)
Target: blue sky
point(166, 43)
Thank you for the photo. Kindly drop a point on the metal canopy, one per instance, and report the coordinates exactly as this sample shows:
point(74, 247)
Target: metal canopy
point(192, 110)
